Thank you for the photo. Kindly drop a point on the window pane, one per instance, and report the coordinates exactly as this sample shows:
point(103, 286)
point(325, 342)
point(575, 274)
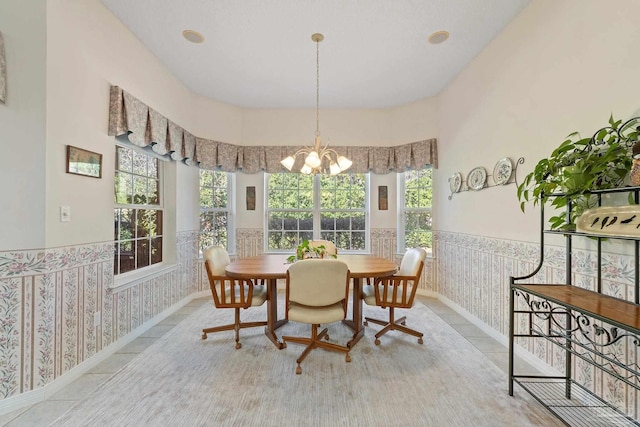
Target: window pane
point(327, 199)
point(124, 187)
point(152, 167)
point(275, 240)
point(148, 222)
point(357, 199)
point(221, 180)
point(206, 197)
point(328, 235)
point(139, 190)
point(358, 241)
point(156, 250)
point(127, 260)
point(358, 221)
point(276, 221)
point(411, 198)
point(124, 160)
point(142, 253)
point(154, 194)
point(275, 199)
point(220, 198)
point(327, 221)
point(126, 224)
point(418, 229)
point(305, 198)
point(139, 164)
point(289, 240)
point(206, 178)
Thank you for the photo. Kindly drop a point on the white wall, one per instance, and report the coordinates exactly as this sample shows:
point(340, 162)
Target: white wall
point(89, 50)
point(557, 68)
point(22, 126)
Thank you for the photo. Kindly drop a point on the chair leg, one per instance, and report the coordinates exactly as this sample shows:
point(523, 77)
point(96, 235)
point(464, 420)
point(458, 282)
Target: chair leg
point(315, 341)
point(236, 326)
point(394, 325)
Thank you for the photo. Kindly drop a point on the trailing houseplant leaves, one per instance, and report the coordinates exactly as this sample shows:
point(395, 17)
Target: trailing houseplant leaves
point(578, 166)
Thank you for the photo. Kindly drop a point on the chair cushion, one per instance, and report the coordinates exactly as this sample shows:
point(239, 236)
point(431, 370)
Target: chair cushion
point(369, 294)
point(259, 294)
point(316, 315)
point(411, 262)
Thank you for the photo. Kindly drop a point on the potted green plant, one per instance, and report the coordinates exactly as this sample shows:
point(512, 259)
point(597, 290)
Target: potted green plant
point(304, 250)
point(578, 166)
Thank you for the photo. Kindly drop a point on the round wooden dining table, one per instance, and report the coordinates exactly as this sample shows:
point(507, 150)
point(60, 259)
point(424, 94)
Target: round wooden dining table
point(273, 267)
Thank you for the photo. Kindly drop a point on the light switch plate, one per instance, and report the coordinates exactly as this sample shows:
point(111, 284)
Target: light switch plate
point(65, 213)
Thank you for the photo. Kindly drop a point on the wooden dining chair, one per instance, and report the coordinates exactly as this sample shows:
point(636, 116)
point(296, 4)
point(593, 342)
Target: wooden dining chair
point(228, 292)
point(397, 291)
point(317, 293)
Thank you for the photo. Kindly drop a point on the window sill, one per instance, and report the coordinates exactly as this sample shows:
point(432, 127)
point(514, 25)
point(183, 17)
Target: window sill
point(133, 278)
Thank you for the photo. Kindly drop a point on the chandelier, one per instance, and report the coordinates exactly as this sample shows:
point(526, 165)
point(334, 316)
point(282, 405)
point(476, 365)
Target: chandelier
point(315, 156)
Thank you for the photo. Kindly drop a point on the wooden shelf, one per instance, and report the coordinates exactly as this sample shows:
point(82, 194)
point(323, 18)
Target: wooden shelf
point(608, 309)
point(561, 314)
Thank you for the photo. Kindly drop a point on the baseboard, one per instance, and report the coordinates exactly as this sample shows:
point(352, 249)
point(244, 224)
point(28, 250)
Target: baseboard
point(522, 353)
point(35, 396)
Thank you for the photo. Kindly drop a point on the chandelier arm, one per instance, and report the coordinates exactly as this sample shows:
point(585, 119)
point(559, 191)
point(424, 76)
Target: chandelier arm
point(301, 151)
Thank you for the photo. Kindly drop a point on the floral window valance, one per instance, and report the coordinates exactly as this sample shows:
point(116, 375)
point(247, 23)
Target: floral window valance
point(133, 121)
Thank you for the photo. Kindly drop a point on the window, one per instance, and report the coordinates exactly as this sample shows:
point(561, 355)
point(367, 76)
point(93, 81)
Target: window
point(325, 207)
point(214, 209)
point(343, 210)
point(415, 189)
point(138, 211)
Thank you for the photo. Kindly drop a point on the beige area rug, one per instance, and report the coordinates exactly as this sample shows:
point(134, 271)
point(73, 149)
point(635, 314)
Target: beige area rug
point(182, 380)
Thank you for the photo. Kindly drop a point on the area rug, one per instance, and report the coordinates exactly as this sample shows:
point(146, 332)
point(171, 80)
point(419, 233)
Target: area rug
point(182, 380)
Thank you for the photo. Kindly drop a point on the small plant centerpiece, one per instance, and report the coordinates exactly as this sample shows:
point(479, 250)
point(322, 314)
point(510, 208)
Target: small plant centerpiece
point(579, 166)
point(304, 250)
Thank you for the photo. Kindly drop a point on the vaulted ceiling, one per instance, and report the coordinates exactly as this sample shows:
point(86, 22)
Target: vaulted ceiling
point(259, 53)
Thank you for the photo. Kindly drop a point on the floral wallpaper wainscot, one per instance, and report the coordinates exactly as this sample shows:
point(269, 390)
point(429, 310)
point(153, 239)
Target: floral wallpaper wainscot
point(48, 299)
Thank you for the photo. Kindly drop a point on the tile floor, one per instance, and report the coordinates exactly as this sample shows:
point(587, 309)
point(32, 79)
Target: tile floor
point(42, 413)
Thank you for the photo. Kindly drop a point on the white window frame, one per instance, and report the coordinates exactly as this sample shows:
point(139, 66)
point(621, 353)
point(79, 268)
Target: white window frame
point(402, 210)
point(317, 214)
point(230, 209)
point(136, 273)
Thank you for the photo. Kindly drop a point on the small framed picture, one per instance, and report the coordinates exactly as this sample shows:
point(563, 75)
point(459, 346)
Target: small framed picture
point(84, 162)
point(251, 198)
point(383, 201)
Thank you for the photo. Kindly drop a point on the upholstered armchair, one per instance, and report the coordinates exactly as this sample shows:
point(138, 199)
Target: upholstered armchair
point(228, 292)
point(317, 292)
point(397, 291)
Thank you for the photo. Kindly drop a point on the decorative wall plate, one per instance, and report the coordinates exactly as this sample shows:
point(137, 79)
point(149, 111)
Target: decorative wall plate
point(455, 182)
point(476, 178)
point(611, 221)
point(502, 171)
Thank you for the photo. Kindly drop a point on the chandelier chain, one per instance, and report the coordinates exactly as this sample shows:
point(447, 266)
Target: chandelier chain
point(318, 88)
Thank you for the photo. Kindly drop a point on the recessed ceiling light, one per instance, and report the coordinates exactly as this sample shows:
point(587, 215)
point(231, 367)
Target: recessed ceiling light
point(438, 37)
point(193, 36)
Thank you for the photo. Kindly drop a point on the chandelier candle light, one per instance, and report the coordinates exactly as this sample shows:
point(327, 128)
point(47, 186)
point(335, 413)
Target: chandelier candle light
point(316, 154)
